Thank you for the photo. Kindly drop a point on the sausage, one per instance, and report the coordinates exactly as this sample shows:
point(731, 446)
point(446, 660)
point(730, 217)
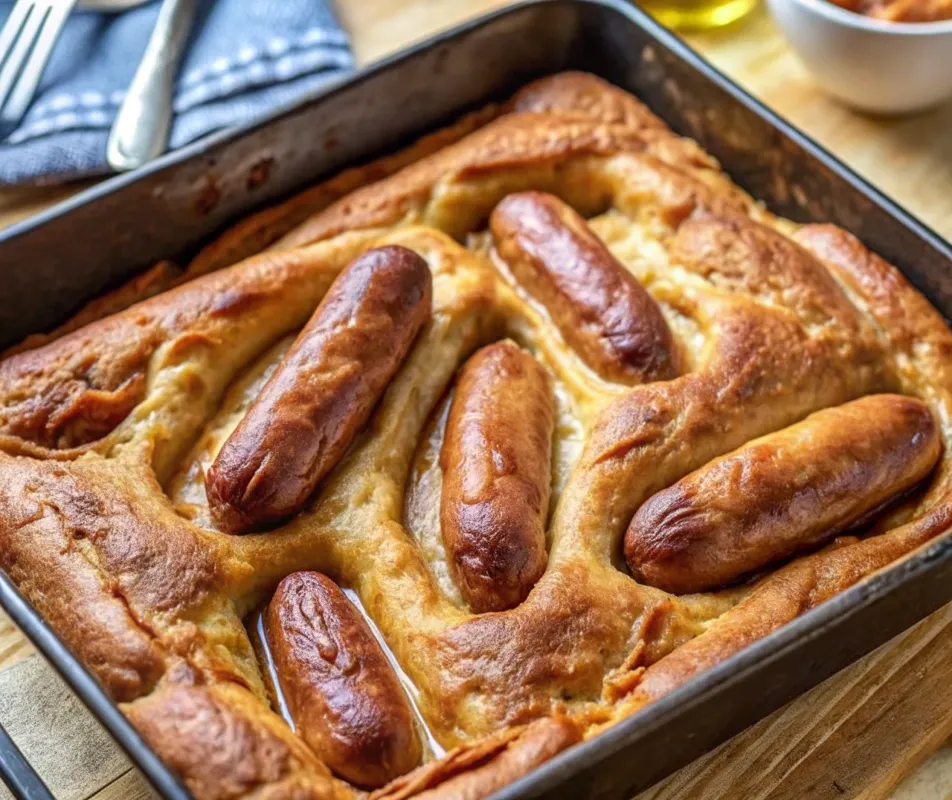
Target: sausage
point(324, 391)
point(783, 493)
point(342, 693)
point(496, 462)
point(601, 310)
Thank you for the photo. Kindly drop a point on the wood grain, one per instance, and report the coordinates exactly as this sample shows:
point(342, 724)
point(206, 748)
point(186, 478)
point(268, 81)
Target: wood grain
point(67, 747)
point(909, 158)
point(14, 646)
point(854, 736)
point(128, 786)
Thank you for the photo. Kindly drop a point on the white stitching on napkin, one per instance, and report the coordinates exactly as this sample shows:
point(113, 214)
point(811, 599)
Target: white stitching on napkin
point(256, 74)
point(216, 72)
point(62, 102)
point(65, 112)
point(275, 48)
point(61, 122)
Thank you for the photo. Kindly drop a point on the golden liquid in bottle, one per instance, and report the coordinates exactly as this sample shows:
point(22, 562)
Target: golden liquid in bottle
point(696, 15)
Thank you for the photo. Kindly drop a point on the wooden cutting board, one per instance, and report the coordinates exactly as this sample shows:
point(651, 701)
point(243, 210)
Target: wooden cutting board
point(864, 733)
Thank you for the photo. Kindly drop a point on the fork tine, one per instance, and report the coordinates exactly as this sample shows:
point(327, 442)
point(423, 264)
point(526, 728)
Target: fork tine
point(11, 29)
point(22, 46)
point(25, 87)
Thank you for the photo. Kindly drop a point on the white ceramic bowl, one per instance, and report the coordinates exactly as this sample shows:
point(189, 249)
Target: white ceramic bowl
point(875, 66)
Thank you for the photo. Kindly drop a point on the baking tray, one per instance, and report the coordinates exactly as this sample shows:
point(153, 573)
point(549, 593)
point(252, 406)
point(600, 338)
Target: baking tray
point(54, 262)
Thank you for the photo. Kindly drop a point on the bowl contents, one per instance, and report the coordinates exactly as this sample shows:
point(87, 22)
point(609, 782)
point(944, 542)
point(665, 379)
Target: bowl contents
point(900, 10)
point(872, 60)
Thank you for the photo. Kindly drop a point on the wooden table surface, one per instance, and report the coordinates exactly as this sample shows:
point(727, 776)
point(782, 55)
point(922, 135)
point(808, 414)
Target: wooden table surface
point(878, 729)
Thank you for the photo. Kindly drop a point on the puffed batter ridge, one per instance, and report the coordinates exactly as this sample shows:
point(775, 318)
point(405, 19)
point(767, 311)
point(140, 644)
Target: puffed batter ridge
point(500, 438)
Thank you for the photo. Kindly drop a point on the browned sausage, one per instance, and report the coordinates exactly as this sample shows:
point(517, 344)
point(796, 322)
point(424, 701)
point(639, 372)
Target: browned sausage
point(601, 310)
point(343, 695)
point(782, 493)
point(496, 462)
point(322, 394)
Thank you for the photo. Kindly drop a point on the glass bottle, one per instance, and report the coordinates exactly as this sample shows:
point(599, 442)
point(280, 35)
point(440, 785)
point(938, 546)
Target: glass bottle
point(696, 15)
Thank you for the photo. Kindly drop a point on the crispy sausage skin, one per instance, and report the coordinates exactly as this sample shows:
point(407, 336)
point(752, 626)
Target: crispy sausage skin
point(343, 695)
point(324, 391)
point(782, 493)
point(601, 310)
point(496, 462)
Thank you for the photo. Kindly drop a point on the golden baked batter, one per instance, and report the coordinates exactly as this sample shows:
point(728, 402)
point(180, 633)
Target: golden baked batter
point(643, 316)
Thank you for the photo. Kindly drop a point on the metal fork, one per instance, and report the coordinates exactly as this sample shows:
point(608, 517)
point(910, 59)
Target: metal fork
point(26, 42)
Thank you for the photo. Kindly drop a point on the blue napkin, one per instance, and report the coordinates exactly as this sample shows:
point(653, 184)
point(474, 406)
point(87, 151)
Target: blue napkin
point(245, 57)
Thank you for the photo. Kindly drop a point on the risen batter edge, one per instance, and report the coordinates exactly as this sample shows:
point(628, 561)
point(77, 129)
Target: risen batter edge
point(105, 433)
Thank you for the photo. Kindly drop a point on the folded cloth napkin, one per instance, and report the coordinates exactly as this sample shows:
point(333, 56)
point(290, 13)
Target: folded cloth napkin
point(245, 57)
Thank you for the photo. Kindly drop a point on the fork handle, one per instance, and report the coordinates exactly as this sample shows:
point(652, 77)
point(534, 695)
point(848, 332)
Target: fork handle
point(141, 130)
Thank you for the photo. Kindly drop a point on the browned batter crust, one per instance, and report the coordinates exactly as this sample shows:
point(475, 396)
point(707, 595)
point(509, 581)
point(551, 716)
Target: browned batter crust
point(107, 432)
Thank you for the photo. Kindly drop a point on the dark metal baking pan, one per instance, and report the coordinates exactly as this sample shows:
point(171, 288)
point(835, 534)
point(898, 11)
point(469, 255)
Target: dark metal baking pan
point(17, 773)
point(53, 263)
